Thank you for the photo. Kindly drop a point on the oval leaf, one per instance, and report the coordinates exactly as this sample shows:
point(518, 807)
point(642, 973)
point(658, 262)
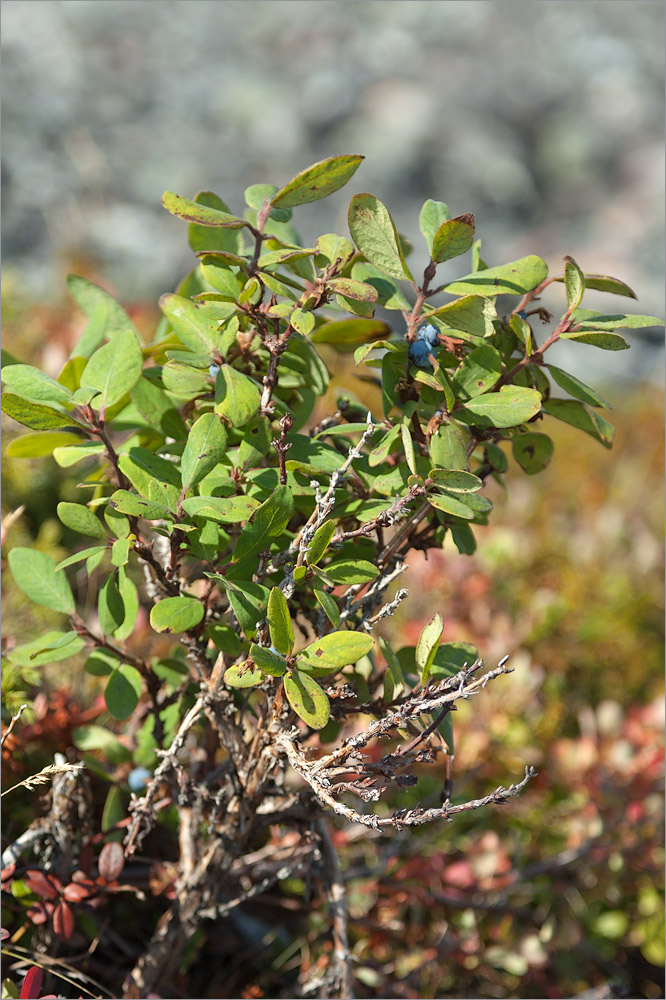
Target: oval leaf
point(456, 480)
point(320, 542)
point(350, 571)
point(114, 368)
point(427, 644)
point(375, 235)
point(511, 406)
point(243, 675)
point(514, 278)
point(268, 661)
point(35, 574)
point(279, 622)
point(317, 181)
point(226, 510)
point(80, 518)
point(31, 383)
point(237, 396)
point(268, 521)
point(123, 691)
point(307, 699)
point(335, 650)
point(203, 215)
point(176, 614)
point(35, 415)
point(453, 238)
point(206, 444)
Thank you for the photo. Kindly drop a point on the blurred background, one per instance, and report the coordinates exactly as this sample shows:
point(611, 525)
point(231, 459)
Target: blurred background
point(547, 121)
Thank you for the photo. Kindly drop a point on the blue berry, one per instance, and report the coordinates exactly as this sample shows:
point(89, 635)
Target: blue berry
point(418, 353)
point(429, 334)
point(138, 777)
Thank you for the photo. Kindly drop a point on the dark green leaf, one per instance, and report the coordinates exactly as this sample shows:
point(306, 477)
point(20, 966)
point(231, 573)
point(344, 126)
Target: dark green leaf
point(114, 368)
point(320, 542)
point(346, 334)
point(375, 235)
point(453, 238)
point(317, 181)
point(123, 692)
point(213, 238)
point(603, 283)
point(532, 451)
point(394, 681)
point(205, 447)
point(249, 602)
point(35, 574)
point(599, 338)
point(511, 406)
point(131, 503)
point(329, 606)
point(575, 413)
point(448, 447)
point(451, 505)
point(456, 480)
point(35, 415)
point(110, 606)
point(479, 372)
point(270, 662)
point(472, 314)
point(268, 521)
point(389, 294)
point(130, 596)
point(576, 388)
point(279, 622)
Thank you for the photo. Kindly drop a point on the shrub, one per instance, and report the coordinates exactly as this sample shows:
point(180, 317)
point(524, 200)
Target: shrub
point(260, 516)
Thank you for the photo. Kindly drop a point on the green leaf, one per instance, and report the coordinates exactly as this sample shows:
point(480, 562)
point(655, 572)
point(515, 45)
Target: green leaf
point(515, 278)
point(268, 521)
point(256, 195)
point(432, 215)
point(575, 413)
point(271, 663)
point(574, 282)
point(599, 338)
point(381, 452)
point(130, 597)
point(237, 396)
point(120, 551)
point(511, 406)
point(196, 326)
point(317, 181)
point(455, 480)
point(131, 503)
point(427, 644)
point(346, 334)
point(352, 289)
point(110, 606)
point(114, 368)
point(472, 314)
point(320, 542)
point(603, 283)
point(213, 238)
point(92, 737)
point(101, 663)
point(184, 381)
point(35, 574)
point(123, 691)
point(394, 681)
point(249, 602)
point(448, 447)
point(68, 455)
point(463, 539)
point(450, 505)
point(242, 675)
point(351, 571)
point(523, 331)
point(225, 510)
point(39, 445)
point(576, 388)
point(612, 924)
point(302, 321)
point(107, 317)
point(205, 447)
point(279, 622)
point(389, 294)
point(80, 556)
point(80, 518)
point(35, 415)
point(532, 451)
point(408, 446)
point(307, 699)
point(478, 373)
point(31, 383)
point(202, 214)
point(176, 614)
point(48, 648)
point(333, 651)
point(453, 238)
point(375, 235)
point(329, 606)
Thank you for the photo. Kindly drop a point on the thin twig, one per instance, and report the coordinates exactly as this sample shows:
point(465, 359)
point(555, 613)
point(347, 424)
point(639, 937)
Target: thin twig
point(14, 720)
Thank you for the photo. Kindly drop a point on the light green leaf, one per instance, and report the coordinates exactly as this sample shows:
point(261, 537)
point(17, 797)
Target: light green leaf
point(394, 681)
point(514, 278)
point(320, 542)
point(279, 622)
point(511, 406)
point(268, 521)
point(384, 448)
point(351, 571)
point(333, 651)
point(431, 217)
point(576, 388)
point(114, 368)
point(453, 238)
point(225, 510)
point(176, 614)
point(329, 605)
point(35, 415)
point(196, 326)
point(456, 480)
point(31, 383)
point(450, 505)
point(389, 294)
point(80, 518)
point(249, 602)
point(408, 446)
point(35, 574)
point(237, 396)
point(202, 214)
point(375, 235)
point(307, 699)
point(472, 314)
point(302, 321)
point(346, 334)
point(576, 413)
point(120, 551)
point(451, 657)
point(268, 661)
point(214, 238)
point(67, 455)
point(184, 381)
point(123, 691)
point(205, 447)
point(448, 447)
point(243, 675)
point(599, 338)
point(352, 289)
point(427, 644)
point(101, 663)
point(107, 317)
point(574, 282)
point(478, 373)
point(38, 445)
point(317, 181)
point(335, 249)
point(130, 596)
point(110, 606)
point(532, 451)
point(45, 650)
point(603, 283)
point(131, 503)
point(93, 550)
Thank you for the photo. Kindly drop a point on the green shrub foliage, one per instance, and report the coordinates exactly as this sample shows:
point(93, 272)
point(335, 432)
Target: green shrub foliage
point(261, 516)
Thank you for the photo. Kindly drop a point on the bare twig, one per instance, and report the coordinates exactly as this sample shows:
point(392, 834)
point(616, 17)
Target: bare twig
point(338, 903)
point(14, 720)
